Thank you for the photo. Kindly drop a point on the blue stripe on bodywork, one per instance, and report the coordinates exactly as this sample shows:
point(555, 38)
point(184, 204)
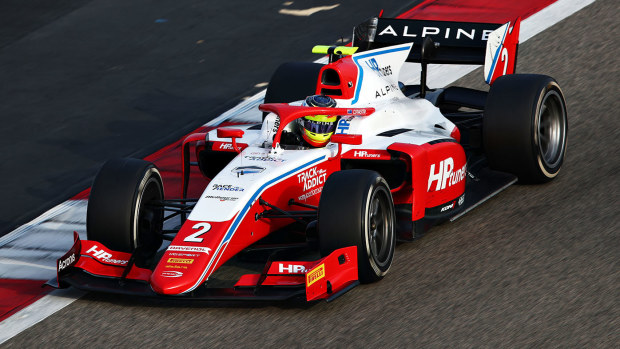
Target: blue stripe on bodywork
point(247, 206)
point(231, 231)
point(360, 78)
point(499, 49)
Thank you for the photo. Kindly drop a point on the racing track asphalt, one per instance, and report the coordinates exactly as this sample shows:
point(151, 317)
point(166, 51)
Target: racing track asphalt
point(536, 266)
point(85, 81)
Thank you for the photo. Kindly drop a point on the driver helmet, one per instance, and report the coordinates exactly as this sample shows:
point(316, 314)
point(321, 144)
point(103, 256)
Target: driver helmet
point(318, 129)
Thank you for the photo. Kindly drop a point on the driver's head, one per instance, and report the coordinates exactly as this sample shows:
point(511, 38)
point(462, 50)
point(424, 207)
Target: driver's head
point(318, 129)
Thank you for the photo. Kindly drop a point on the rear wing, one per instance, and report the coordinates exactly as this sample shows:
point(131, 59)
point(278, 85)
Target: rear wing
point(441, 42)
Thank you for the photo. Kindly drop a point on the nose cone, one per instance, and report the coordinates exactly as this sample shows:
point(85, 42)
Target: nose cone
point(188, 259)
point(170, 283)
point(180, 271)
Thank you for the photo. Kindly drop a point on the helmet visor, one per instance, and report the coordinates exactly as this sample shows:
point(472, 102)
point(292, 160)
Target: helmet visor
point(319, 127)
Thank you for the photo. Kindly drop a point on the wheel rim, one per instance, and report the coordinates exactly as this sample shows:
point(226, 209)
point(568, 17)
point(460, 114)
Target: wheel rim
point(551, 129)
point(149, 216)
point(380, 230)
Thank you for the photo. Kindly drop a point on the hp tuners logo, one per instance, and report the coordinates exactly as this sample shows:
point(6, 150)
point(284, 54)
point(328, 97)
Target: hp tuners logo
point(381, 71)
point(365, 154)
point(445, 176)
point(291, 269)
point(104, 256)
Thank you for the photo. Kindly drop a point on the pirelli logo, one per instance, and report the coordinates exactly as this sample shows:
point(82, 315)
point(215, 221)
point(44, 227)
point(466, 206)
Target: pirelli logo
point(180, 260)
point(315, 275)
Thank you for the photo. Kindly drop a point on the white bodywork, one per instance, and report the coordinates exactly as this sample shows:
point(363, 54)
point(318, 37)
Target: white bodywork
point(377, 87)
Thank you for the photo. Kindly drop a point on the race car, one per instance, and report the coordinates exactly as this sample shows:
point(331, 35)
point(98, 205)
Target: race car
point(322, 219)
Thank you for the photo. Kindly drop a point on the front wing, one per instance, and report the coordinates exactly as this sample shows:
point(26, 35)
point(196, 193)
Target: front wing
point(90, 266)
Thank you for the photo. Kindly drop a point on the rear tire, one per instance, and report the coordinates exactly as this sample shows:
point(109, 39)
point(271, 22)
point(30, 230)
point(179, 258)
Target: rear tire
point(356, 209)
point(525, 127)
point(120, 214)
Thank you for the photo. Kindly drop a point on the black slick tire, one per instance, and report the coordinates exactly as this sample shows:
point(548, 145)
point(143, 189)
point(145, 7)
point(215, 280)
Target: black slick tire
point(525, 127)
point(356, 209)
point(120, 213)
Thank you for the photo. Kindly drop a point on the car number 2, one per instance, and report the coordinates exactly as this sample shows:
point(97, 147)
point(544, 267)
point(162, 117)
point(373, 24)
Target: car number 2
point(505, 59)
point(202, 228)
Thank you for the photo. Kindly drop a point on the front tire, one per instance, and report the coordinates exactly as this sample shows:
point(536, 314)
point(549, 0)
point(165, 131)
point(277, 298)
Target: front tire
point(123, 212)
point(356, 209)
point(525, 127)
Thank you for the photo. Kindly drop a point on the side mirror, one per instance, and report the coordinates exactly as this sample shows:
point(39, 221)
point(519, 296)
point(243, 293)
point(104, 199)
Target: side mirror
point(229, 133)
point(233, 133)
point(345, 139)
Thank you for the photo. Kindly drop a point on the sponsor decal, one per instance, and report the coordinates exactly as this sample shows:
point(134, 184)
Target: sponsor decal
point(449, 207)
point(315, 275)
point(263, 158)
point(183, 254)
point(104, 256)
point(356, 112)
point(226, 146)
point(180, 260)
point(312, 178)
point(171, 274)
point(175, 266)
point(221, 198)
point(455, 203)
point(445, 33)
point(381, 71)
point(386, 90)
point(365, 154)
point(311, 193)
point(276, 125)
point(189, 249)
point(226, 187)
point(247, 170)
point(445, 176)
point(343, 126)
point(291, 268)
point(62, 264)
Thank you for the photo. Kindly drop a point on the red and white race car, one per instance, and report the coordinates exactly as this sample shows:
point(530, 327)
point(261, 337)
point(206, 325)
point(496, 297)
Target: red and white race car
point(402, 159)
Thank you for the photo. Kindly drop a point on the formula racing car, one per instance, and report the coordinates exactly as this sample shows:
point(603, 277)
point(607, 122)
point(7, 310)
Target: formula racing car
point(322, 219)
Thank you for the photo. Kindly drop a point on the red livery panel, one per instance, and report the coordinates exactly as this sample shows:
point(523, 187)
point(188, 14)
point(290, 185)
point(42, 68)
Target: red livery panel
point(185, 262)
point(438, 174)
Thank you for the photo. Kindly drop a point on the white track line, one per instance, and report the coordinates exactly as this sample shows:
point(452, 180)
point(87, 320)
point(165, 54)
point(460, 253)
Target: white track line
point(48, 237)
point(42, 241)
point(37, 312)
